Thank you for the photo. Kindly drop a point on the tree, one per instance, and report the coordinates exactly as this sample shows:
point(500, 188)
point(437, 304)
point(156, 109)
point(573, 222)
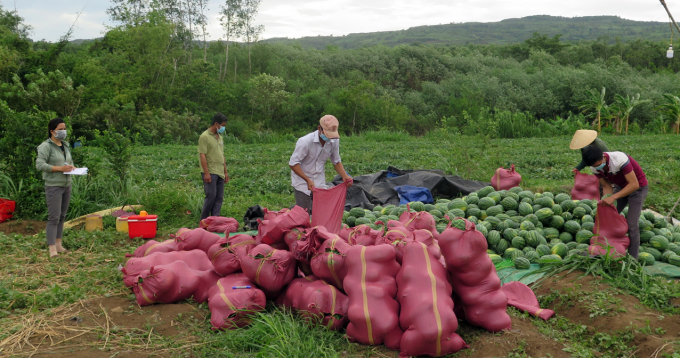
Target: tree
point(51, 92)
point(626, 106)
point(251, 32)
point(231, 26)
point(671, 107)
point(595, 103)
point(129, 12)
point(267, 93)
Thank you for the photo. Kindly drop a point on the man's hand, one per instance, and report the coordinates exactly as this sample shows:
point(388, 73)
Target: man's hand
point(66, 168)
point(348, 181)
point(575, 171)
point(310, 184)
point(609, 200)
point(207, 178)
point(226, 177)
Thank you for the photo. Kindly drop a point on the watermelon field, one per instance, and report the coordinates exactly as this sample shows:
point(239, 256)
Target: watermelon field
point(77, 306)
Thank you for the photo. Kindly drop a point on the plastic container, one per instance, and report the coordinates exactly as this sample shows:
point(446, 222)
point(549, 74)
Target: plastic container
point(142, 226)
point(94, 222)
point(122, 224)
point(6, 209)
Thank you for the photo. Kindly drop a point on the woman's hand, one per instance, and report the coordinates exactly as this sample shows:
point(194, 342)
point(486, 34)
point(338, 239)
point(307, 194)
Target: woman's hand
point(66, 168)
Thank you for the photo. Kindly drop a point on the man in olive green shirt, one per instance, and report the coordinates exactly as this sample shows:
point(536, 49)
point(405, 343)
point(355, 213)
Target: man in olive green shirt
point(211, 157)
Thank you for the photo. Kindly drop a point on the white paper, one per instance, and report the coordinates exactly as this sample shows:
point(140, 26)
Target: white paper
point(77, 171)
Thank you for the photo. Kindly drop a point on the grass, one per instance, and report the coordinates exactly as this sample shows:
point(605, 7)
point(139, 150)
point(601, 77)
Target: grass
point(166, 180)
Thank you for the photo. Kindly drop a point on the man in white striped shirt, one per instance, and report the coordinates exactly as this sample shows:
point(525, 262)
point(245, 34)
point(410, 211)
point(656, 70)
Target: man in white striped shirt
point(308, 161)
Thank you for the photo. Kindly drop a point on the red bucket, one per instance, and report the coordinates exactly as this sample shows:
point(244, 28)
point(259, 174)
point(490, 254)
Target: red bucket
point(142, 226)
point(6, 209)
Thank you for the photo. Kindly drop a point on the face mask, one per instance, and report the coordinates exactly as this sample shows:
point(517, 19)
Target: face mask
point(599, 167)
point(221, 130)
point(323, 136)
point(61, 135)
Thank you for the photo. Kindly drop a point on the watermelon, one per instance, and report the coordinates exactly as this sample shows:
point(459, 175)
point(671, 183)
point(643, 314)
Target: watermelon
point(568, 205)
point(673, 247)
point(458, 224)
point(495, 196)
point(503, 217)
point(510, 234)
point(509, 204)
point(579, 212)
point(437, 214)
point(560, 250)
point(441, 228)
point(485, 191)
point(351, 221)
point(502, 246)
point(474, 212)
point(551, 233)
point(646, 259)
point(532, 238)
point(566, 237)
point(539, 225)
point(471, 199)
point(515, 190)
point(666, 255)
point(544, 215)
point(446, 201)
point(383, 218)
point(588, 226)
point(567, 216)
point(393, 217)
point(493, 237)
point(527, 225)
point(572, 245)
point(675, 237)
point(522, 263)
point(543, 250)
point(512, 224)
point(549, 260)
point(474, 220)
point(659, 242)
point(494, 210)
point(511, 213)
point(526, 194)
point(549, 195)
point(554, 242)
point(583, 246)
point(495, 259)
point(487, 225)
point(458, 204)
point(485, 203)
point(503, 193)
point(645, 236)
point(587, 219)
point(512, 195)
point(533, 218)
point(649, 216)
point(674, 260)
point(559, 198)
point(357, 212)
point(456, 213)
point(572, 227)
point(428, 207)
point(660, 223)
point(544, 202)
point(518, 243)
point(501, 226)
point(556, 222)
point(442, 207)
point(532, 256)
point(525, 209)
point(654, 252)
point(557, 209)
point(363, 221)
point(387, 209)
point(583, 236)
point(512, 253)
point(536, 207)
point(528, 201)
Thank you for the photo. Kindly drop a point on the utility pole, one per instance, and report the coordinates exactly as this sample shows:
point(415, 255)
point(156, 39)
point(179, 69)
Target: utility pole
point(663, 2)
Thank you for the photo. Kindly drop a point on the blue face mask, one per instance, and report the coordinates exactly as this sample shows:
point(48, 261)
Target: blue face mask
point(221, 130)
point(599, 167)
point(323, 136)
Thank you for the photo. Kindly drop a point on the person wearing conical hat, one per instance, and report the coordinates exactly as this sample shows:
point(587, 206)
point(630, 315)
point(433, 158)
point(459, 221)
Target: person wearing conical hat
point(583, 138)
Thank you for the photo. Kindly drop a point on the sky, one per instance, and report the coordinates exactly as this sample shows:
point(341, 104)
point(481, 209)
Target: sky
point(50, 19)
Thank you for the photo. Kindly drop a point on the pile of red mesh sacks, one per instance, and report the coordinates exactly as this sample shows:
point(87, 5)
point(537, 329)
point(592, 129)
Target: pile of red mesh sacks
point(403, 285)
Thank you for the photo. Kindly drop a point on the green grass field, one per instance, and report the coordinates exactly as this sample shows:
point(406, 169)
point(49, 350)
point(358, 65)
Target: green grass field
point(166, 180)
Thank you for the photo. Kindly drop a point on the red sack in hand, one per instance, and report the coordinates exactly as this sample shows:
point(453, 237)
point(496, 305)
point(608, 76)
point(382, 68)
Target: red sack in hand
point(153, 246)
point(227, 252)
point(420, 220)
point(173, 283)
point(611, 229)
point(271, 215)
point(363, 235)
point(328, 206)
point(426, 316)
point(269, 268)
point(196, 239)
point(585, 187)
point(371, 287)
point(329, 263)
point(523, 298)
point(505, 179)
point(219, 224)
point(315, 300)
point(272, 231)
point(195, 259)
point(474, 278)
point(230, 307)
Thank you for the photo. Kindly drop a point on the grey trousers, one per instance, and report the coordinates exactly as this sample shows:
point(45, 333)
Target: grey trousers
point(58, 198)
point(214, 196)
point(303, 200)
point(635, 201)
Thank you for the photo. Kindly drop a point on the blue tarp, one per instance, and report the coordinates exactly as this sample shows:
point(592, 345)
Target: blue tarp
point(408, 193)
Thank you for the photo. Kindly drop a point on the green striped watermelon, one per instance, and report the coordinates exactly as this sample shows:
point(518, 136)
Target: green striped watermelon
point(568, 205)
point(559, 198)
point(659, 242)
point(470, 199)
point(556, 222)
point(527, 225)
point(509, 204)
point(493, 238)
point(583, 236)
point(674, 260)
point(566, 237)
point(512, 253)
point(485, 203)
point(501, 246)
point(543, 250)
point(485, 191)
point(522, 263)
point(518, 243)
point(496, 196)
point(560, 249)
point(572, 227)
point(509, 234)
point(654, 252)
point(588, 226)
point(544, 215)
point(495, 259)
point(551, 233)
point(646, 259)
point(532, 256)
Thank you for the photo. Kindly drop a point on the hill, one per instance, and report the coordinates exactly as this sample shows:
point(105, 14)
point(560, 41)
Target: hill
point(503, 32)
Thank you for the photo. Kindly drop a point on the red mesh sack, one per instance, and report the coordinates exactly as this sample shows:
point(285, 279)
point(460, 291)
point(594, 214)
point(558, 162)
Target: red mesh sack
point(315, 300)
point(523, 298)
point(195, 259)
point(304, 244)
point(611, 229)
point(426, 316)
point(227, 252)
point(474, 278)
point(344, 233)
point(270, 215)
point(371, 287)
point(328, 207)
point(173, 283)
point(420, 220)
point(585, 187)
point(196, 239)
point(231, 304)
point(272, 231)
point(219, 224)
point(6, 209)
point(269, 268)
point(363, 235)
point(505, 179)
point(399, 236)
point(329, 263)
point(153, 246)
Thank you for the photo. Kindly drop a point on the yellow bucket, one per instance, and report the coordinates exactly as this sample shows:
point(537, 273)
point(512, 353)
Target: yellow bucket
point(94, 222)
point(122, 224)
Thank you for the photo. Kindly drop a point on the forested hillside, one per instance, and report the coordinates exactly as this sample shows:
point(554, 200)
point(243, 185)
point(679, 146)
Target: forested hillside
point(587, 28)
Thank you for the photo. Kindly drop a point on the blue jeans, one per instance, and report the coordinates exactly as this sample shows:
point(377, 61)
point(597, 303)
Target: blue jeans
point(214, 196)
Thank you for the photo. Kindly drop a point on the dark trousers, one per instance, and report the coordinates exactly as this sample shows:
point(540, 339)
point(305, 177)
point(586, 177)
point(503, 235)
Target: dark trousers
point(58, 199)
point(214, 196)
point(303, 200)
point(634, 201)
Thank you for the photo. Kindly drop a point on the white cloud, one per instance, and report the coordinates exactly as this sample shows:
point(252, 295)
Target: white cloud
point(298, 18)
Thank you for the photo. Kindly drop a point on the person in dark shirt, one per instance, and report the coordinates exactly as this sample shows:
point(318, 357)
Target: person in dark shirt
point(583, 138)
point(622, 177)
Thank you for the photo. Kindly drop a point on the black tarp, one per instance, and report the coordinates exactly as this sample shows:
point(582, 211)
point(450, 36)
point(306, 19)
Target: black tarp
point(378, 188)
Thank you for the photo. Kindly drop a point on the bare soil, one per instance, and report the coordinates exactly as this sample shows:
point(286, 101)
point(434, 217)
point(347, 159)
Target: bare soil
point(23, 227)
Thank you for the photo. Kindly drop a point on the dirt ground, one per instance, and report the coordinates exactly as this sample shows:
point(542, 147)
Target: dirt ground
point(23, 227)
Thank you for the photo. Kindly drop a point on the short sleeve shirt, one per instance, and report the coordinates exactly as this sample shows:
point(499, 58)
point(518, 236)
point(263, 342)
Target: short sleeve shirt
point(619, 164)
point(213, 148)
point(312, 157)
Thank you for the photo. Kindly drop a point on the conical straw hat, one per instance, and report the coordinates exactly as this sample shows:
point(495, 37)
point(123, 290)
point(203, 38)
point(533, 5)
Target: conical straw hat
point(582, 138)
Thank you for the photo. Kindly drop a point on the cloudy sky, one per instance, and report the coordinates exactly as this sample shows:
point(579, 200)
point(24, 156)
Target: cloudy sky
point(297, 18)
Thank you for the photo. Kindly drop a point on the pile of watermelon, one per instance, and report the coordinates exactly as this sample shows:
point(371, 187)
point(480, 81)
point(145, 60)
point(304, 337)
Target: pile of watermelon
point(528, 227)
